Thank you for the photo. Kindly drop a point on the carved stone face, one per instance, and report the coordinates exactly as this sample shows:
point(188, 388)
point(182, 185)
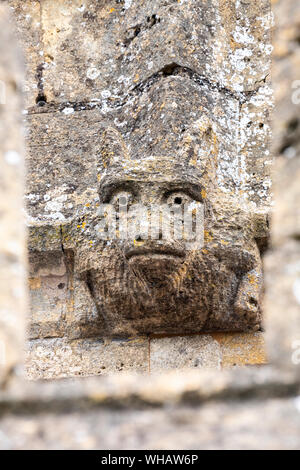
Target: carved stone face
point(153, 252)
point(161, 284)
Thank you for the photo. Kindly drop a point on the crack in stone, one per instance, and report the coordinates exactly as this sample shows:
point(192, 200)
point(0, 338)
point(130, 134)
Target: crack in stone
point(61, 238)
point(134, 31)
point(169, 70)
point(41, 99)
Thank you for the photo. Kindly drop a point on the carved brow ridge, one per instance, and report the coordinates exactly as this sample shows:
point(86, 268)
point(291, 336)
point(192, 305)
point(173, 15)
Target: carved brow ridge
point(115, 184)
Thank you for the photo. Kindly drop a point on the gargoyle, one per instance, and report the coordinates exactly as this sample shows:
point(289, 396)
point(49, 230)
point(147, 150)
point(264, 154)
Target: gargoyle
point(142, 284)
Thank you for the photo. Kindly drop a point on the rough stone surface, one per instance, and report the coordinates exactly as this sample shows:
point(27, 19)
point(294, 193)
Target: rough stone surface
point(242, 349)
point(49, 358)
point(241, 408)
point(156, 101)
point(12, 233)
point(48, 284)
point(184, 352)
point(223, 41)
point(56, 358)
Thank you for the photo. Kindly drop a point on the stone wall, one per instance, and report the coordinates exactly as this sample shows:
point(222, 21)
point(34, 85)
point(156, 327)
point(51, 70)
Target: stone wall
point(198, 409)
point(169, 89)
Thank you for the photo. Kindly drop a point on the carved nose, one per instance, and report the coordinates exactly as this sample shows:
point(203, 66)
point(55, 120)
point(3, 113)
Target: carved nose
point(141, 239)
point(159, 236)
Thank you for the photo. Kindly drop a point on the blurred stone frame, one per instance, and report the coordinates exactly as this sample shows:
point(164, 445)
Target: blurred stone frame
point(231, 379)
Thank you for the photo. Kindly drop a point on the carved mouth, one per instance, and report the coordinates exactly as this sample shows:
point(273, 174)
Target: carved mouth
point(160, 252)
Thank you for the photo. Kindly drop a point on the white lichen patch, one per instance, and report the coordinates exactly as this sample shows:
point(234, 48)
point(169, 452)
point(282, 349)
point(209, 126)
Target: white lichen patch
point(68, 111)
point(263, 97)
point(105, 94)
point(127, 4)
point(32, 198)
point(92, 73)
point(238, 57)
point(242, 36)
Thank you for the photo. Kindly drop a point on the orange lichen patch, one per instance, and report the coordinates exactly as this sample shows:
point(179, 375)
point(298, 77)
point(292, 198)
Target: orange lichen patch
point(34, 283)
point(233, 44)
point(215, 149)
point(208, 237)
point(241, 349)
point(82, 225)
point(49, 58)
point(203, 193)
point(252, 279)
point(111, 10)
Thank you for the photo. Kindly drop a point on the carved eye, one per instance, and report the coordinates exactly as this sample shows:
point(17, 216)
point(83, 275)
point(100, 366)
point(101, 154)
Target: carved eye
point(178, 198)
point(122, 199)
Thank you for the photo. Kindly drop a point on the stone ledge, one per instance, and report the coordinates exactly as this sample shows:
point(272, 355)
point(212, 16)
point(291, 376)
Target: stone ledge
point(55, 357)
point(140, 391)
point(229, 425)
point(51, 358)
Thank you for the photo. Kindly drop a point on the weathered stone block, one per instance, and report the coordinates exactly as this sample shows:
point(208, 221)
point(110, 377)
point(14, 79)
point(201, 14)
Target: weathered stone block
point(163, 103)
point(49, 283)
point(63, 196)
point(57, 358)
point(218, 350)
point(242, 349)
point(184, 352)
point(62, 148)
point(225, 42)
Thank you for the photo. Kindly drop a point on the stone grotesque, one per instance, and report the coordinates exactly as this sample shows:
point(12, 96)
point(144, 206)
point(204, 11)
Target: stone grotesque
point(161, 103)
point(161, 284)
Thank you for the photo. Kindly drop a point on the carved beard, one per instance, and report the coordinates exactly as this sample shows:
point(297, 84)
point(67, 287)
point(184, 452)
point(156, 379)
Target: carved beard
point(170, 296)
